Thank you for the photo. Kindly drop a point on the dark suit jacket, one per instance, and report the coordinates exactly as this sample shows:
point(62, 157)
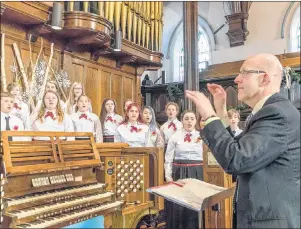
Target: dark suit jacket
point(266, 160)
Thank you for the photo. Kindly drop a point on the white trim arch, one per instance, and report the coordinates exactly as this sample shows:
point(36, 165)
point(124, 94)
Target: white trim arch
point(294, 29)
point(179, 30)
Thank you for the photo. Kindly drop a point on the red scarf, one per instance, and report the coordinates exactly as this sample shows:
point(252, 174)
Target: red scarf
point(16, 106)
point(134, 128)
point(187, 137)
point(109, 118)
point(172, 125)
point(83, 116)
point(49, 114)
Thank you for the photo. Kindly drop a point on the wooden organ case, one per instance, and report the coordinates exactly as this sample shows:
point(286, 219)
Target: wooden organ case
point(57, 183)
point(128, 172)
point(51, 183)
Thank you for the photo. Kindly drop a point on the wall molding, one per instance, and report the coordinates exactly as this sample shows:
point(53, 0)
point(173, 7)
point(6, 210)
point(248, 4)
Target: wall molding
point(285, 18)
point(203, 23)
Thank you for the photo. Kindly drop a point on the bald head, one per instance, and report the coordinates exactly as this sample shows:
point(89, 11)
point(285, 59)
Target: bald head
point(271, 65)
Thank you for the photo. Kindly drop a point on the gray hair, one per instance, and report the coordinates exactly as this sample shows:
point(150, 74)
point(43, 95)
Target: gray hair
point(153, 124)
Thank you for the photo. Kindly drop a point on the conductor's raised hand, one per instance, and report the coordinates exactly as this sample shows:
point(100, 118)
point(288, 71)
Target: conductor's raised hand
point(219, 97)
point(201, 102)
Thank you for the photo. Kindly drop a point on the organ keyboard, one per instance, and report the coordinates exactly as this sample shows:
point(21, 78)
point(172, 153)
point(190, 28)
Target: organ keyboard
point(52, 183)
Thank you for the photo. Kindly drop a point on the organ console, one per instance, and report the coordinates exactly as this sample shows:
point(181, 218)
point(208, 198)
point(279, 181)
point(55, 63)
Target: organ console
point(51, 183)
point(58, 183)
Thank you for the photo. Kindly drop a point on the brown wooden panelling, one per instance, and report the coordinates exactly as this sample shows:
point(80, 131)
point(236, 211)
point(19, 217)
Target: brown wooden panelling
point(128, 83)
point(105, 90)
point(101, 79)
point(78, 73)
point(93, 87)
point(232, 68)
point(214, 174)
point(116, 91)
point(23, 46)
point(232, 100)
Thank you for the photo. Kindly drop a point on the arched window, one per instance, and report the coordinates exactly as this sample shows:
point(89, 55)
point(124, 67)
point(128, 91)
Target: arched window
point(295, 31)
point(203, 51)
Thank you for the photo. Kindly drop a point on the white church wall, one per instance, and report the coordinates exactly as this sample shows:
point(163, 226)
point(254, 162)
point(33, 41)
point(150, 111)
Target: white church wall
point(264, 25)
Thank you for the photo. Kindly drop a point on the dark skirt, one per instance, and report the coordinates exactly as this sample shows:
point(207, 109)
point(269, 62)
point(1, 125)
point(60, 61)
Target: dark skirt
point(178, 216)
point(108, 138)
point(82, 138)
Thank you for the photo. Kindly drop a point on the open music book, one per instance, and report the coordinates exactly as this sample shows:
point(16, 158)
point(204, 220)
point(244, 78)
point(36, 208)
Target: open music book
point(192, 193)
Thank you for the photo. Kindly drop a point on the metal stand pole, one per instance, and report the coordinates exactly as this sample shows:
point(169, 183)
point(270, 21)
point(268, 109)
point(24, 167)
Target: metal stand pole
point(201, 220)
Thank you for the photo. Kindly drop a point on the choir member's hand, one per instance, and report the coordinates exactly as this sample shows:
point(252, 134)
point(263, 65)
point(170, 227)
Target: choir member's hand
point(202, 103)
point(220, 98)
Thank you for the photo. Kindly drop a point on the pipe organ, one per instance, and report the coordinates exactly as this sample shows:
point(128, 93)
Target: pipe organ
point(139, 22)
point(58, 183)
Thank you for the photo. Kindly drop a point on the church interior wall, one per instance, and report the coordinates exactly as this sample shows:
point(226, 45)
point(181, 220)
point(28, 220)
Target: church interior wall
point(264, 24)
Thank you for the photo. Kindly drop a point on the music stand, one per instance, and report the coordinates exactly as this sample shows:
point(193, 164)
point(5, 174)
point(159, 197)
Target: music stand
point(207, 201)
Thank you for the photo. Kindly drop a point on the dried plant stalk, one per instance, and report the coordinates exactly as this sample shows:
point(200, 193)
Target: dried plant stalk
point(61, 89)
point(21, 67)
point(30, 52)
point(3, 75)
point(47, 72)
point(33, 77)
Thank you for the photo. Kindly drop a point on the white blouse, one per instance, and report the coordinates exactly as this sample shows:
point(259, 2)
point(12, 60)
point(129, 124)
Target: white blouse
point(21, 110)
point(135, 135)
point(155, 138)
point(181, 146)
point(111, 123)
point(87, 122)
point(169, 128)
point(15, 124)
point(50, 123)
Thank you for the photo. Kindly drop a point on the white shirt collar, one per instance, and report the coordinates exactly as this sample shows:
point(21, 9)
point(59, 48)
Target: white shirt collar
point(237, 129)
point(129, 124)
point(5, 114)
point(174, 121)
point(52, 111)
point(187, 132)
point(260, 103)
point(112, 115)
point(86, 112)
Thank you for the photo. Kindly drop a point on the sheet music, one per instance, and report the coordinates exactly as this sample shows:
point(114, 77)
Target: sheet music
point(189, 193)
